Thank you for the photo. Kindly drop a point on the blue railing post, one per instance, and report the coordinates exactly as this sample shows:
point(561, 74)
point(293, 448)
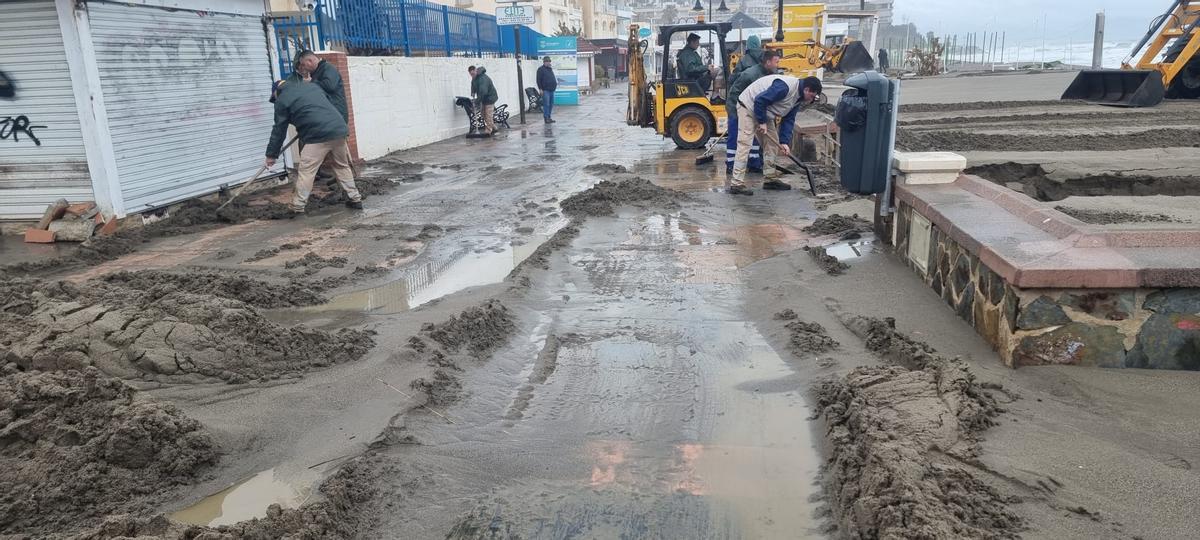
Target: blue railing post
point(317, 11)
point(446, 27)
point(478, 39)
point(404, 27)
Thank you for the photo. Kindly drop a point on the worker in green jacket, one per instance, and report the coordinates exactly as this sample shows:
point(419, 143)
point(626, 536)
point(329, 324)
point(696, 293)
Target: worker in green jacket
point(326, 76)
point(688, 64)
point(308, 64)
point(753, 57)
point(769, 64)
point(323, 131)
point(483, 89)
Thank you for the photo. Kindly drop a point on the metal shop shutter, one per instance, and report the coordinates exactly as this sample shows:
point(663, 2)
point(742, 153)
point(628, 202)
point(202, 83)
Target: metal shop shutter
point(186, 94)
point(33, 175)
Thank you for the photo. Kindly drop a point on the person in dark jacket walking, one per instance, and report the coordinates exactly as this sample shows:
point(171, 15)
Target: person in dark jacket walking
point(485, 91)
point(547, 84)
point(321, 129)
point(884, 64)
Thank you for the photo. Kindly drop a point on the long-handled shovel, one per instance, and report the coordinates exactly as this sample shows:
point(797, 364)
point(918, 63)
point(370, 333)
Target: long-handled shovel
point(253, 178)
point(812, 186)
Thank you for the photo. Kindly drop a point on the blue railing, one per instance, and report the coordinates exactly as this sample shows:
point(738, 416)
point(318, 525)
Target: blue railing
point(399, 28)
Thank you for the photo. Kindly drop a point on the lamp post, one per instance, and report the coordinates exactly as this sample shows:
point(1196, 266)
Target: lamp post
point(700, 9)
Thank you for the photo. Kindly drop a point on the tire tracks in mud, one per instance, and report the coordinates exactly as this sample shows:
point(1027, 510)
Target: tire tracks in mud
point(448, 347)
point(903, 438)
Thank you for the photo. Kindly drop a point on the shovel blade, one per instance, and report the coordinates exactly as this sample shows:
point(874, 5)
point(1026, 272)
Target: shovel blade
point(1117, 87)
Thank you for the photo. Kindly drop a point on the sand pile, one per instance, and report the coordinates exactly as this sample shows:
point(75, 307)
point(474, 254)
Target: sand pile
point(76, 446)
point(901, 436)
point(837, 223)
point(469, 337)
point(603, 198)
point(159, 333)
point(257, 293)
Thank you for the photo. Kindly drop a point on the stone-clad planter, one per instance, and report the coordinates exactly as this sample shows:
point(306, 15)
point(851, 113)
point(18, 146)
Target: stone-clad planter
point(1136, 326)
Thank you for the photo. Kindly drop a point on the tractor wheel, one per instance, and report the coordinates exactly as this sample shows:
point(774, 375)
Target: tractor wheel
point(1187, 83)
point(691, 127)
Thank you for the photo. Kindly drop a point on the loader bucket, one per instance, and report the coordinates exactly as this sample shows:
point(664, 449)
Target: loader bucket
point(854, 59)
point(1117, 87)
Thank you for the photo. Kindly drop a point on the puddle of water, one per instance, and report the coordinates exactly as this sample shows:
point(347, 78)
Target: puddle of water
point(851, 249)
point(431, 280)
point(246, 500)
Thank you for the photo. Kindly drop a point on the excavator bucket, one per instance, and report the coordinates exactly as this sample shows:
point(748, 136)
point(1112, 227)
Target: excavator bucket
point(855, 58)
point(1117, 87)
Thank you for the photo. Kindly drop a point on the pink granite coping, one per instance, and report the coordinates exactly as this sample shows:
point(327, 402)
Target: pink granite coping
point(1032, 245)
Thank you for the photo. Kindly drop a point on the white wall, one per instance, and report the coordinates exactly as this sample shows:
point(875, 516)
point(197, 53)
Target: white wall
point(402, 102)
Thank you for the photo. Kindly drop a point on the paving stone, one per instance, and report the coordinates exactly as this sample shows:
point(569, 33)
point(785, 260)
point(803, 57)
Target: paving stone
point(1167, 341)
point(992, 285)
point(1111, 305)
point(1076, 344)
point(961, 275)
point(987, 322)
point(1010, 307)
point(1174, 301)
point(1041, 313)
point(966, 304)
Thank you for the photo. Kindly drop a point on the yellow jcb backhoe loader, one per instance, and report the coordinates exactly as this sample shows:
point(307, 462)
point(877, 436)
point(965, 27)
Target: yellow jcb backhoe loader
point(1146, 83)
point(676, 108)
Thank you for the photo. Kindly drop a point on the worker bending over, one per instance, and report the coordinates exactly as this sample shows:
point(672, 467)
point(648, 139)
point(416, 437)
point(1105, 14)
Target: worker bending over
point(323, 131)
point(769, 99)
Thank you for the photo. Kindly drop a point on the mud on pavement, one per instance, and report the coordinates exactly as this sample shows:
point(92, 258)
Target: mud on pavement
point(150, 331)
point(902, 438)
point(76, 446)
point(189, 217)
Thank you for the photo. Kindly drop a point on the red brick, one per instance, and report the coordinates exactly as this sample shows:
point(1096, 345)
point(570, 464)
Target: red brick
point(39, 236)
point(79, 209)
point(108, 228)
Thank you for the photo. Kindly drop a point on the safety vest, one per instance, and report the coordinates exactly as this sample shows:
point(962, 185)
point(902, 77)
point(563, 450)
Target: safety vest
point(780, 108)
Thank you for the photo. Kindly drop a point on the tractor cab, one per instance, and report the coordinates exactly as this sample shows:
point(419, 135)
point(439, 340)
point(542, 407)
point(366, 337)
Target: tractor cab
point(689, 111)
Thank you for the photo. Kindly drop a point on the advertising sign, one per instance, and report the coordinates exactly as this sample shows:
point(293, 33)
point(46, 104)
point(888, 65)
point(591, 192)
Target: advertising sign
point(515, 14)
point(562, 51)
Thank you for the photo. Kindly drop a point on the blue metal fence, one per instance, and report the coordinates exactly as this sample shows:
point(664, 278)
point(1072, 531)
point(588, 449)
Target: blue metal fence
point(399, 28)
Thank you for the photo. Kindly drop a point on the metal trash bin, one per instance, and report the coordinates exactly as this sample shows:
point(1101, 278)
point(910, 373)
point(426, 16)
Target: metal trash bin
point(866, 119)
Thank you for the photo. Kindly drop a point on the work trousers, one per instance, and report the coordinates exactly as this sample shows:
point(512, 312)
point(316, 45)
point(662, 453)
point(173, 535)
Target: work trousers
point(547, 104)
point(489, 118)
point(746, 131)
point(311, 157)
point(731, 142)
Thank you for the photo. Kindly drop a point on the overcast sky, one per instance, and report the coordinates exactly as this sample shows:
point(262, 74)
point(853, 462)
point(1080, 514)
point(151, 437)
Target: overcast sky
point(1022, 19)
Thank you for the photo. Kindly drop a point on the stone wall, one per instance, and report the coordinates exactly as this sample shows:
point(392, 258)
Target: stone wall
point(1139, 328)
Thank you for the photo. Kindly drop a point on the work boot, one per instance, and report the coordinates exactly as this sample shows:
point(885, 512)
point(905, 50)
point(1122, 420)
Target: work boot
point(739, 189)
point(296, 210)
point(357, 205)
point(776, 185)
point(754, 170)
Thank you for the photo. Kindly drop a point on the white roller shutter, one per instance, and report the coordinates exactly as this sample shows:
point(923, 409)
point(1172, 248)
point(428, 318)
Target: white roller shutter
point(186, 98)
point(33, 175)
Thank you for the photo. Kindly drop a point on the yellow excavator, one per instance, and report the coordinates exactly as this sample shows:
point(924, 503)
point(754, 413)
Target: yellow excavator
point(676, 108)
point(1145, 83)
